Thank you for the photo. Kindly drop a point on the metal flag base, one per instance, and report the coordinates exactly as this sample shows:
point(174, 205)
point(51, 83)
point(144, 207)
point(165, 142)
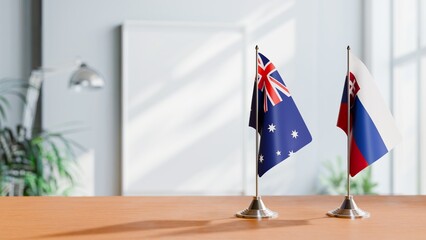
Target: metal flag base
point(257, 209)
point(349, 209)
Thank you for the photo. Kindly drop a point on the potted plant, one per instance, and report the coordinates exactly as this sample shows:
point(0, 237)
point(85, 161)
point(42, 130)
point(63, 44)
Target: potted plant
point(335, 177)
point(32, 166)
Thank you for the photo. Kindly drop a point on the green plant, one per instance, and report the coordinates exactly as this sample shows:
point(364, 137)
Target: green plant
point(39, 165)
point(335, 178)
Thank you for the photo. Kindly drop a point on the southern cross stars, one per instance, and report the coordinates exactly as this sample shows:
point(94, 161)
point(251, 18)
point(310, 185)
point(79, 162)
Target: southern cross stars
point(261, 159)
point(294, 134)
point(272, 127)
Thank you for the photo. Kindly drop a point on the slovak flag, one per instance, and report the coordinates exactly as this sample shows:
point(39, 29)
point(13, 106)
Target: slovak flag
point(281, 127)
point(373, 131)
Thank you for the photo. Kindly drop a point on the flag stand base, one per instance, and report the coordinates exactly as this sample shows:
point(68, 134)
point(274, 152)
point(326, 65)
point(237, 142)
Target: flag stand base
point(257, 209)
point(349, 209)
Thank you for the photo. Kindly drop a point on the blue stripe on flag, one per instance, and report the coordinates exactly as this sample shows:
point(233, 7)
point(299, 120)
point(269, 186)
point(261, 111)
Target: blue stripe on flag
point(366, 135)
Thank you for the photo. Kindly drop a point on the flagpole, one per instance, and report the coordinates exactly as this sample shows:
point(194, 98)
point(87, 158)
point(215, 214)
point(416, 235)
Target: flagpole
point(349, 123)
point(257, 208)
point(257, 123)
point(348, 209)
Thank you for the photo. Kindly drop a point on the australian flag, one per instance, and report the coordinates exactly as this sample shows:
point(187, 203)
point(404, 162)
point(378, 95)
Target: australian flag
point(281, 127)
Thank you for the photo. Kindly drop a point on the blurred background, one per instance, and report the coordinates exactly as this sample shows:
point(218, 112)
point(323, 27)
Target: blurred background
point(172, 116)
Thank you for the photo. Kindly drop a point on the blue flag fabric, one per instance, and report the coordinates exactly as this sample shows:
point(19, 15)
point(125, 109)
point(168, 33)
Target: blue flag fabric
point(281, 127)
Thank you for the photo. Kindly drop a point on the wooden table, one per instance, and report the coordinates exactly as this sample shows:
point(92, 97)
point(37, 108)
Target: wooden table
point(301, 217)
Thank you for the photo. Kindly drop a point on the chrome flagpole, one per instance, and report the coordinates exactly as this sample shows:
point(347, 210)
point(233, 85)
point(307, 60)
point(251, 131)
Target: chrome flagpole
point(257, 208)
point(348, 148)
point(257, 121)
point(348, 209)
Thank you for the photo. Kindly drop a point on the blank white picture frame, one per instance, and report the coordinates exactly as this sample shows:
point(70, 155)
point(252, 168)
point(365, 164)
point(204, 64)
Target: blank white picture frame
point(183, 116)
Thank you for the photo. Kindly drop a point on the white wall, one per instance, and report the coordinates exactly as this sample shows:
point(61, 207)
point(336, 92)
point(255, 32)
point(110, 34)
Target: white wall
point(399, 76)
point(15, 48)
point(306, 40)
point(340, 23)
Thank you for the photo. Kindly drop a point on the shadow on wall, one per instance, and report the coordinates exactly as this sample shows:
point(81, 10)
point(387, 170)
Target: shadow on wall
point(186, 120)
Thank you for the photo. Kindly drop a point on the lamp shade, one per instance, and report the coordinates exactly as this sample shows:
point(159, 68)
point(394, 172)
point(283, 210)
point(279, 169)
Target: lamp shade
point(86, 78)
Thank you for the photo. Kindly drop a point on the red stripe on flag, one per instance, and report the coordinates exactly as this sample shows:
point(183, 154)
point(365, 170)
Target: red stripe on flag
point(280, 86)
point(358, 161)
point(342, 120)
point(272, 93)
point(264, 74)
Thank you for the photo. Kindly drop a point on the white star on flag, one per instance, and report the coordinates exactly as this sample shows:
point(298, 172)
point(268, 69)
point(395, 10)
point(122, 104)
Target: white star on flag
point(290, 153)
point(278, 153)
point(272, 127)
point(261, 159)
point(294, 134)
